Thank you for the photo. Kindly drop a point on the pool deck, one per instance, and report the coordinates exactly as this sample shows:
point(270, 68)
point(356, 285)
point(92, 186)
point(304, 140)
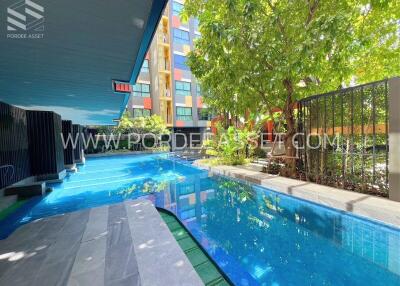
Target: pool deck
point(368, 206)
point(121, 244)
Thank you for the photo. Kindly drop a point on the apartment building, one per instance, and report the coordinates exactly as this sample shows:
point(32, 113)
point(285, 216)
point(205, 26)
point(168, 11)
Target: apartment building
point(166, 85)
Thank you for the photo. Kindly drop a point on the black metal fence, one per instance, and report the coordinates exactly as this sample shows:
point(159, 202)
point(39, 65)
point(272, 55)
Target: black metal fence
point(345, 141)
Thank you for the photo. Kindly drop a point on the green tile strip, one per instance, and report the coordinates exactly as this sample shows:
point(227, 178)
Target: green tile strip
point(205, 268)
point(4, 213)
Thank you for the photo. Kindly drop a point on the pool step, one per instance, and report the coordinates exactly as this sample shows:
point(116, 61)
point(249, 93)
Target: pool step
point(7, 201)
point(11, 208)
point(205, 268)
point(26, 190)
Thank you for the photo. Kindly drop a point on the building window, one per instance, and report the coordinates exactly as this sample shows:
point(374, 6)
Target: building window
point(180, 62)
point(184, 113)
point(204, 114)
point(176, 8)
point(182, 88)
point(181, 36)
point(140, 112)
point(198, 90)
point(141, 89)
point(145, 66)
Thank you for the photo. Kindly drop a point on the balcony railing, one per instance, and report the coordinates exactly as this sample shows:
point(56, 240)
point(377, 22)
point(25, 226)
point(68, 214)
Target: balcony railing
point(165, 92)
point(163, 38)
point(164, 65)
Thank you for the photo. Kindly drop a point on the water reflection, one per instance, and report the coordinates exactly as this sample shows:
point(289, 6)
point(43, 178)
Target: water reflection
point(279, 240)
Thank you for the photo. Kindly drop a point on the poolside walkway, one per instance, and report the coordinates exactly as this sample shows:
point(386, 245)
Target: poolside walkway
point(361, 204)
point(122, 244)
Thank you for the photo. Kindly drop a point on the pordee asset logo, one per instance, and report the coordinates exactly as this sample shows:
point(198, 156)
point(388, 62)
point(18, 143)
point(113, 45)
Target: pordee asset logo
point(25, 20)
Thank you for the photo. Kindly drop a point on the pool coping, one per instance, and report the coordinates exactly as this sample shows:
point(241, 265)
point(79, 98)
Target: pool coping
point(367, 206)
point(209, 257)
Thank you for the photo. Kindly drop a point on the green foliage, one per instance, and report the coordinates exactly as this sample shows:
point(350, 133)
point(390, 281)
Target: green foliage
point(232, 146)
point(256, 55)
point(259, 153)
point(259, 54)
point(141, 125)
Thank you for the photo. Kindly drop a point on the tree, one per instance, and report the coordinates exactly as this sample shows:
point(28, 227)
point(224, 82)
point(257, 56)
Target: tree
point(140, 125)
point(256, 55)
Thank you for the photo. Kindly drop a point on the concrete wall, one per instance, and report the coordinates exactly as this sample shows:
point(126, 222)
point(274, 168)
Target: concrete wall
point(394, 139)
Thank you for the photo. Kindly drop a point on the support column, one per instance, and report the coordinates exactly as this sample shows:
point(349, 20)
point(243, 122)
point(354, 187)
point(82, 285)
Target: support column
point(45, 145)
point(69, 160)
point(394, 138)
point(79, 157)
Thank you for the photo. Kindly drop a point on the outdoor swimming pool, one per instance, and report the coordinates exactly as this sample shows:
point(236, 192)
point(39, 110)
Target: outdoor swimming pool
point(256, 236)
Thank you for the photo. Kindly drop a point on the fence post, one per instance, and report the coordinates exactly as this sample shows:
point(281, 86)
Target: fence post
point(394, 138)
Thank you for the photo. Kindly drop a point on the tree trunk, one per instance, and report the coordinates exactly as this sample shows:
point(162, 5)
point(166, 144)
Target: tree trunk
point(288, 113)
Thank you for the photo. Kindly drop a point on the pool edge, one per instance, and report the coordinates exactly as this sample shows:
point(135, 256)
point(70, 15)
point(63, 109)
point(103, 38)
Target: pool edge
point(160, 209)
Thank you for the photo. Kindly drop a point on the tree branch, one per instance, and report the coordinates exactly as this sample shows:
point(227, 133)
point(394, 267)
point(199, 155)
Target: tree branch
point(312, 7)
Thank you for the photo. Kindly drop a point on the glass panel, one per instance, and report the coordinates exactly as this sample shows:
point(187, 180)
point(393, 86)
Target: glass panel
point(176, 8)
point(146, 112)
point(180, 62)
point(182, 88)
point(184, 113)
point(141, 90)
point(181, 36)
point(145, 66)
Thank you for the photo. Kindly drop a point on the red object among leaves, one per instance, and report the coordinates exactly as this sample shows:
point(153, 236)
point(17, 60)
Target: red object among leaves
point(199, 102)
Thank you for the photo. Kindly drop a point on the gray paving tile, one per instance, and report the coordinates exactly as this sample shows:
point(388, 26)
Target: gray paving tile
point(90, 261)
point(160, 259)
point(120, 261)
point(56, 268)
point(76, 222)
point(96, 247)
point(96, 226)
point(56, 273)
point(87, 278)
point(131, 280)
point(120, 255)
point(118, 227)
point(22, 271)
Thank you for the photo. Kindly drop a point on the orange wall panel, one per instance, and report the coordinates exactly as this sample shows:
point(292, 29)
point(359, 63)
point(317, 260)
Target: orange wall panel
point(177, 74)
point(188, 101)
point(176, 23)
point(147, 104)
point(180, 123)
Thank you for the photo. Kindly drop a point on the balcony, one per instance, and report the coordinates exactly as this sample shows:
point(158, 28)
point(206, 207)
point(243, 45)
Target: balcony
point(163, 39)
point(164, 66)
point(165, 94)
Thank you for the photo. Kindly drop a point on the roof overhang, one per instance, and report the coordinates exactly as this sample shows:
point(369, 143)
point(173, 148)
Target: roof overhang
point(64, 55)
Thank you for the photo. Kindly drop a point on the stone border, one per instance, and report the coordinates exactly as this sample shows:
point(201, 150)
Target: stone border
point(367, 206)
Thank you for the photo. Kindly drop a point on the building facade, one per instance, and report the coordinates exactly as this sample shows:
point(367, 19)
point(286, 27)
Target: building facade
point(166, 85)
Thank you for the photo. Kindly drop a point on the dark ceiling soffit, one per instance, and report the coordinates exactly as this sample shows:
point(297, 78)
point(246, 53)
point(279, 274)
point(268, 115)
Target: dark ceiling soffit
point(151, 28)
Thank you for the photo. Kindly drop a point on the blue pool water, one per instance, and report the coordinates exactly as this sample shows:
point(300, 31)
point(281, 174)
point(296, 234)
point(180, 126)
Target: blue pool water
point(255, 235)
